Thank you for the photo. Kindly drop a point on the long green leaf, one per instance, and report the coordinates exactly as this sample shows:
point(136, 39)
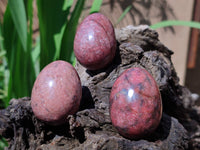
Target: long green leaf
point(29, 10)
point(58, 37)
point(52, 21)
point(29, 64)
point(3, 143)
point(69, 34)
point(21, 71)
point(96, 5)
point(124, 14)
point(18, 14)
point(162, 24)
point(1, 38)
point(36, 56)
point(2, 72)
point(9, 34)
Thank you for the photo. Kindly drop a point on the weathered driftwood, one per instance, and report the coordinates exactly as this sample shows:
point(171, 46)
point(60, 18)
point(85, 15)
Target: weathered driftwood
point(90, 127)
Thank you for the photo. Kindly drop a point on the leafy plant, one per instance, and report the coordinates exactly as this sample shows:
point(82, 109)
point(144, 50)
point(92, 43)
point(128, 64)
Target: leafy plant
point(3, 143)
point(167, 23)
point(96, 6)
point(20, 60)
point(123, 14)
point(18, 46)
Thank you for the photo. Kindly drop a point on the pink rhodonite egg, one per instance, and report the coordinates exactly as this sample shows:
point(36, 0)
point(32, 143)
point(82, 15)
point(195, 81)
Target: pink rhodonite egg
point(95, 43)
point(56, 93)
point(135, 104)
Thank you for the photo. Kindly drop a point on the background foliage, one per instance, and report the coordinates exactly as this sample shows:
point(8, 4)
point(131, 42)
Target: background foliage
point(20, 60)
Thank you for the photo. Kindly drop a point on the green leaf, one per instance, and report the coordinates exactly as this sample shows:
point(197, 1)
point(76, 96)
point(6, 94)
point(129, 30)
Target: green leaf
point(36, 56)
point(58, 37)
point(9, 35)
point(8, 32)
point(3, 91)
point(18, 14)
point(21, 71)
point(96, 5)
point(52, 21)
point(69, 34)
point(123, 14)
point(167, 23)
point(3, 143)
point(36, 51)
point(29, 8)
point(1, 39)
point(67, 5)
point(29, 64)
point(2, 53)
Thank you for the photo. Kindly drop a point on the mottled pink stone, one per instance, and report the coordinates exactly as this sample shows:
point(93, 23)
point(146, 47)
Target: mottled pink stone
point(56, 93)
point(95, 43)
point(135, 104)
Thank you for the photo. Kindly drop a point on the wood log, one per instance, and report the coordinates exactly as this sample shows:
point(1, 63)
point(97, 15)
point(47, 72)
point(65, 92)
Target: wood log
point(91, 127)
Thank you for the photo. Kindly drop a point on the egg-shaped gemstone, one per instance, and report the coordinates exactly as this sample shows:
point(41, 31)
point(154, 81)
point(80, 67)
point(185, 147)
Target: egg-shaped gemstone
point(56, 93)
point(95, 43)
point(135, 103)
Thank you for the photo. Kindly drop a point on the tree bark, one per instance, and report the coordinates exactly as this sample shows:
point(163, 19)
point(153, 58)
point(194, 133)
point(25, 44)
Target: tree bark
point(91, 127)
